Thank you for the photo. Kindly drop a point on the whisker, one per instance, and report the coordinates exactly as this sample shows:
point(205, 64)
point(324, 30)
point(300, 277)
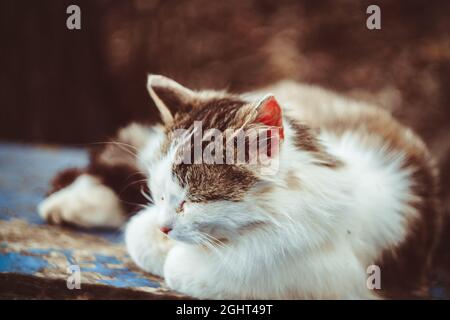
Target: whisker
point(133, 183)
point(216, 241)
point(146, 196)
point(143, 206)
point(225, 255)
point(122, 146)
point(116, 143)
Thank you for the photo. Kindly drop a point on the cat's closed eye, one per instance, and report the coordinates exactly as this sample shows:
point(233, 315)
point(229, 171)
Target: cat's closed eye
point(180, 208)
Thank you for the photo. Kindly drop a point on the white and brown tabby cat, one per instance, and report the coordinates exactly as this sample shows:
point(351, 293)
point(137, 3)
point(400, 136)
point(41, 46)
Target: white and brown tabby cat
point(353, 188)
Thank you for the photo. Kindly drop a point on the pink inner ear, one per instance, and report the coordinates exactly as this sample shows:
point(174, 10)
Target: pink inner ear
point(270, 115)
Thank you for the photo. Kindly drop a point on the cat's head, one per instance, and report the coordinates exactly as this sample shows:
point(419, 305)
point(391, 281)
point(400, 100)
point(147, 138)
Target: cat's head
point(215, 159)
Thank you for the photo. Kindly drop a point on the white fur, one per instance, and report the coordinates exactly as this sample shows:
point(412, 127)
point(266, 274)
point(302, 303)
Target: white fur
point(147, 246)
point(315, 241)
point(86, 203)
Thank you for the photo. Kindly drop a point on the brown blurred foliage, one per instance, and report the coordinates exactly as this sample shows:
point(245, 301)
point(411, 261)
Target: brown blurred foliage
point(63, 86)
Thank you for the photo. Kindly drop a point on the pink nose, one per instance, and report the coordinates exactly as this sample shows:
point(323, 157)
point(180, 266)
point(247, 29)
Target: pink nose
point(165, 230)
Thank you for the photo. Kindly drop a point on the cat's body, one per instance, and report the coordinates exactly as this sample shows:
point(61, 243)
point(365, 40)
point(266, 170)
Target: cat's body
point(352, 189)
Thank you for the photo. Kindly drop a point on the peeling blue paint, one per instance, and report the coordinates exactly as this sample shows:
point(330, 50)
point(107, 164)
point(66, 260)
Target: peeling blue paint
point(107, 259)
point(66, 252)
point(100, 268)
point(40, 251)
point(122, 276)
point(20, 263)
point(131, 282)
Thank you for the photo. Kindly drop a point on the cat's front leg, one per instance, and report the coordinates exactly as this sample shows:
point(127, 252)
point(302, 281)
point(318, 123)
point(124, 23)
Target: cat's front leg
point(146, 244)
point(190, 271)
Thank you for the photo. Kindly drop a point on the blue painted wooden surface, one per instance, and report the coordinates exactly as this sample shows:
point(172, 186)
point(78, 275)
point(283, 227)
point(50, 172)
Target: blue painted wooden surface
point(30, 247)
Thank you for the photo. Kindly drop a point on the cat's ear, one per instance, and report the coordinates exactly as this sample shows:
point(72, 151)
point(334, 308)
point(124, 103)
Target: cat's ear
point(268, 118)
point(268, 112)
point(169, 96)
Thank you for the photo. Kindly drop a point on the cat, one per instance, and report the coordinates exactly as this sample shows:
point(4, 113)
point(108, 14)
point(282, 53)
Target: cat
point(352, 189)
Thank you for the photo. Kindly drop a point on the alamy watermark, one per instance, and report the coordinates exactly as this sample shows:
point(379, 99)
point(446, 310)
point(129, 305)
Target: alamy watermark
point(373, 281)
point(254, 146)
point(74, 278)
point(73, 21)
point(373, 22)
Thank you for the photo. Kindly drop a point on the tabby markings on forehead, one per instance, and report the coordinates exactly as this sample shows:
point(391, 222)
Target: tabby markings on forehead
point(233, 147)
point(204, 182)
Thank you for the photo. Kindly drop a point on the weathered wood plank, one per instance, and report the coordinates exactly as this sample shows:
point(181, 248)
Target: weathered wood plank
point(45, 252)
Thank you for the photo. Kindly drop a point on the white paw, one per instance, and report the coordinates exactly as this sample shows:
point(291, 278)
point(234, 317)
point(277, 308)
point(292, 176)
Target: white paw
point(86, 203)
point(193, 273)
point(146, 244)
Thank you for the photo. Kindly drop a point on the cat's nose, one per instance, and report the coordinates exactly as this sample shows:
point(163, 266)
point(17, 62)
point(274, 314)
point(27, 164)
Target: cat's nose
point(165, 230)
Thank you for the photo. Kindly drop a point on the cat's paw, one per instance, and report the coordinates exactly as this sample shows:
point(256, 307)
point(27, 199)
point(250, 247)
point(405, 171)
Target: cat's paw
point(189, 273)
point(85, 203)
point(146, 244)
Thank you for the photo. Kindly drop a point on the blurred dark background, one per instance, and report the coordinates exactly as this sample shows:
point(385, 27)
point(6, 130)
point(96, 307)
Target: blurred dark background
point(77, 87)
